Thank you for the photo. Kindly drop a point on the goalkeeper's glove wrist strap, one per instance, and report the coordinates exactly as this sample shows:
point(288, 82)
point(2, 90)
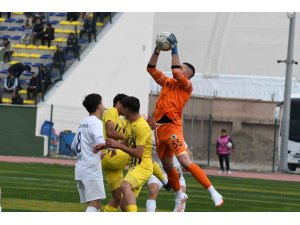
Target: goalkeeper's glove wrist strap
point(151, 66)
point(156, 51)
point(174, 51)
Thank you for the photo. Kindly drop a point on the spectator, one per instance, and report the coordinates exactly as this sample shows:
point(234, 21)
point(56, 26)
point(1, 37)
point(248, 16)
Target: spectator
point(59, 59)
point(89, 27)
point(38, 31)
point(223, 147)
point(6, 50)
point(27, 35)
point(71, 44)
point(101, 15)
point(73, 16)
point(8, 15)
point(34, 87)
point(28, 20)
point(44, 76)
point(16, 98)
point(48, 35)
point(10, 84)
point(18, 68)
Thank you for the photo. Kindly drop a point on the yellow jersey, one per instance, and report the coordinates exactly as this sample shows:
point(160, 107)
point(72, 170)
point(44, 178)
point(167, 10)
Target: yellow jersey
point(111, 114)
point(139, 133)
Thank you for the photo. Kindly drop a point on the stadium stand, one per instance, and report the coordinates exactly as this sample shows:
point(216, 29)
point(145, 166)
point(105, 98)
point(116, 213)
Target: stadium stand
point(37, 54)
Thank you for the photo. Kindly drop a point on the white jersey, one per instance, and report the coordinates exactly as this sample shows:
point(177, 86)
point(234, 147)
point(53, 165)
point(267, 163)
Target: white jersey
point(89, 134)
point(156, 158)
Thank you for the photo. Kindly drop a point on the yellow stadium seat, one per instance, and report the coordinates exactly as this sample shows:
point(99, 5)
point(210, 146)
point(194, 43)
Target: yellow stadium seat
point(23, 92)
point(60, 40)
point(6, 100)
point(52, 48)
point(99, 24)
point(13, 62)
point(28, 102)
point(2, 19)
point(31, 47)
point(19, 46)
point(69, 31)
point(35, 55)
point(59, 31)
point(42, 47)
point(15, 54)
point(65, 22)
point(24, 55)
point(76, 23)
point(18, 13)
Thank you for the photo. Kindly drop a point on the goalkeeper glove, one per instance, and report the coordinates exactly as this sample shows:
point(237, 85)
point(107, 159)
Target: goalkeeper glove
point(167, 187)
point(173, 41)
point(156, 51)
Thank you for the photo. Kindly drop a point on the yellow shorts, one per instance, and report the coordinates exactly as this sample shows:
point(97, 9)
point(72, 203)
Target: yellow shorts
point(138, 175)
point(113, 168)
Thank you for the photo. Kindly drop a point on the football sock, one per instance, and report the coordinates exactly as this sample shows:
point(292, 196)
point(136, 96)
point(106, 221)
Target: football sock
point(109, 208)
point(150, 205)
point(199, 175)
point(91, 209)
point(211, 190)
point(159, 174)
point(131, 208)
point(173, 178)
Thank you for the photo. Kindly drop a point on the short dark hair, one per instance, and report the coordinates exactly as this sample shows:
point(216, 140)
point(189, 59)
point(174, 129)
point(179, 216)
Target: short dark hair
point(132, 103)
point(223, 130)
point(191, 67)
point(91, 102)
point(27, 68)
point(118, 97)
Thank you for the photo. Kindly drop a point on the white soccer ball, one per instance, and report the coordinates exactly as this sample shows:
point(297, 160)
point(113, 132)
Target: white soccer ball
point(229, 145)
point(162, 42)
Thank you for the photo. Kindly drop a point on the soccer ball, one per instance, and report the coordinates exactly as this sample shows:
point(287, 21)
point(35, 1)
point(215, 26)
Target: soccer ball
point(162, 42)
point(229, 145)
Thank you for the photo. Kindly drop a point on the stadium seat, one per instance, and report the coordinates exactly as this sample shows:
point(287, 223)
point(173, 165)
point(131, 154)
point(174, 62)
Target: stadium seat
point(36, 64)
point(4, 71)
point(23, 82)
point(15, 54)
point(24, 55)
point(28, 102)
point(27, 63)
point(61, 14)
point(46, 56)
point(35, 55)
point(18, 13)
point(53, 75)
point(54, 22)
point(16, 37)
point(4, 36)
point(60, 40)
point(2, 19)
point(19, 21)
point(59, 31)
point(11, 20)
point(51, 14)
point(12, 28)
point(23, 92)
point(3, 27)
point(43, 47)
point(21, 29)
point(13, 62)
point(68, 31)
point(52, 48)
point(99, 24)
point(27, 74)
point(31, 47)
point(65, 22)
point(19, 46)
point(6, 100)
point(76, 23)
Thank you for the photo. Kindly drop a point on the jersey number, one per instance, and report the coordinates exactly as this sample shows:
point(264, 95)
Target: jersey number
point(78, 145)
point(176, 143)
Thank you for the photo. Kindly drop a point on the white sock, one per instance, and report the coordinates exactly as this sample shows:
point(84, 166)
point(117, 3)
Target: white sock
point(151, 205)
point(178, 194)
point(211, 190)
point(91, 209)
point(165, 181)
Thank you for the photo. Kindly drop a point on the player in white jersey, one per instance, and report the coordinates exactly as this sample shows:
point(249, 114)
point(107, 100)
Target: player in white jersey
point(154, 184)
point(88, 170)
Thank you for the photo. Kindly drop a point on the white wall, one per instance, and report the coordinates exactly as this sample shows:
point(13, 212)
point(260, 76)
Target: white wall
point(115, 64)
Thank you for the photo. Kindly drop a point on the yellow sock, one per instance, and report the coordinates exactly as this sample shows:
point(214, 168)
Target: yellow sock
point(157, 172)
point(109, 208)
point(131, 208)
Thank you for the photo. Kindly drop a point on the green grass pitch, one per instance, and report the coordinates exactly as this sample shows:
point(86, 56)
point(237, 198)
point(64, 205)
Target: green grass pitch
point(51, 188)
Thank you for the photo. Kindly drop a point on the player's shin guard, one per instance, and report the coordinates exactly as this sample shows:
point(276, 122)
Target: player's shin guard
point(173, 178)
point(159, 174)
point(151, 205)
point(131, 208)
point(109, 208)
point(199, 175)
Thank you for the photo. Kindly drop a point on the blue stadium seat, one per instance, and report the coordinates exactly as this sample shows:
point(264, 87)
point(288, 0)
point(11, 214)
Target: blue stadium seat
point(4, 71)
point(70, 57)
point(27, 74)
point(61, 14)
point(22, 82)
point(53, 75)
point(36, 64)
point(12, 28)
point(16, 37)
point(46, 56)
point(27, 63)
point(19, 20)
point(81, 41)
point(4, 36)
point(51, 14)
point(49, 65)
point(54, 22)
point(3, 28)
point(11, 20)
point(21, 29)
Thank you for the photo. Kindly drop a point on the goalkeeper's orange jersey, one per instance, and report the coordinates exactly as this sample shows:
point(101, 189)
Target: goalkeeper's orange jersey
point(174, 95)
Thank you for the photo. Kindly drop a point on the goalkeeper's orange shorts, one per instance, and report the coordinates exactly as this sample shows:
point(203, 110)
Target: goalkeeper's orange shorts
point(169, 140)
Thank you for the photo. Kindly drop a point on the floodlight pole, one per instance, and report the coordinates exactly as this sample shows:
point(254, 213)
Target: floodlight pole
point(287, 94)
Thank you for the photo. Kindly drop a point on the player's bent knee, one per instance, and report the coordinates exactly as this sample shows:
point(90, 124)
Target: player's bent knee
point(125, 187)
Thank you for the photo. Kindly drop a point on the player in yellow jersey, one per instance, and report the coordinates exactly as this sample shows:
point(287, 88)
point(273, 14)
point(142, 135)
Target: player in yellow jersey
point(138, 145)
point(113, 165)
